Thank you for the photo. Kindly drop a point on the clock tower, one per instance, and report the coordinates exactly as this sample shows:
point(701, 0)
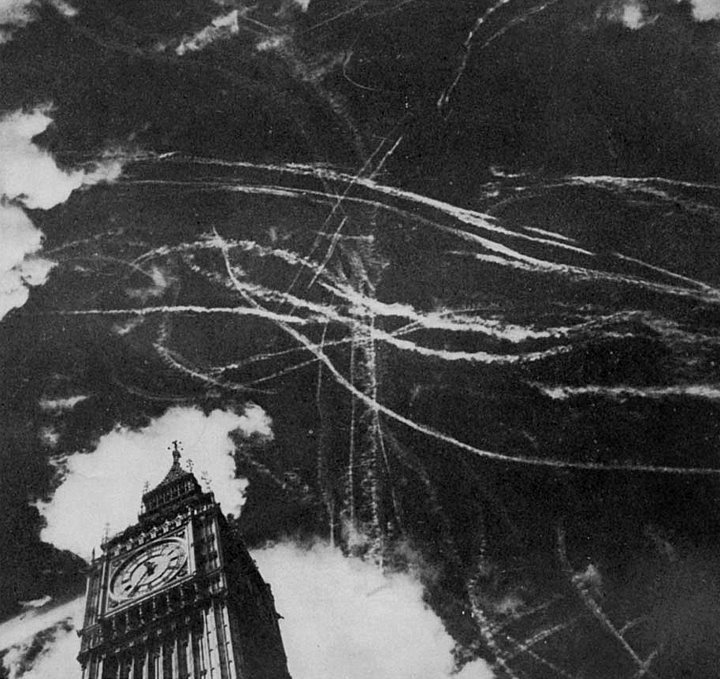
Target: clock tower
point(177, 596)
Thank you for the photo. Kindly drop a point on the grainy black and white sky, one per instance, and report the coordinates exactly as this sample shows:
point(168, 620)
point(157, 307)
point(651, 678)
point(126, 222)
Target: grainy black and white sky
point(429, 292)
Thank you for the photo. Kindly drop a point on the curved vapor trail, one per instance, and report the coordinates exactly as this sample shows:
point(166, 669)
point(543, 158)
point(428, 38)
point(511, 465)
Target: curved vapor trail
point(517, 21)
point(642, 189)
point(363, 303)
point(505, 255)
point(409, 328)
point(376, 406)
point(458, 322)
point(470, 217)
point(446, 95)
point(326, 314)
point(329, 313)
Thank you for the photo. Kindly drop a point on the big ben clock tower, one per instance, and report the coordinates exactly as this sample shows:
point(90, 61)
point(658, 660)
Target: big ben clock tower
point(177, 596)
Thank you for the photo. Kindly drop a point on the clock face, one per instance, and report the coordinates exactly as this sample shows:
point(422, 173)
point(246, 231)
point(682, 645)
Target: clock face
point(148, 569)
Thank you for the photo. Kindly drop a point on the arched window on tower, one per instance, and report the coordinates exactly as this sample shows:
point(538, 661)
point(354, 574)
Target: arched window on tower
point(110, 667)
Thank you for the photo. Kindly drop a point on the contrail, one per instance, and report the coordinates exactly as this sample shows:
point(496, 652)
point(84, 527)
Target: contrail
point(188, 309)
point(446, 438)
point(464, 216)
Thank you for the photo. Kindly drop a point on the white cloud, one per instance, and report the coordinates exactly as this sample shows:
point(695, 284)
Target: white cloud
point(477, 669)
point(20, 267)
point(16, 14)
point(36, 603)
point(61, 403)
point(632, 14)
point(54, 631)
point(108, 169)
point(274, 42)
point(30, 178)
point(49, 436)
point(706, 10)
point(221, 28)
point(65, 8)
point(29, 174)
point(105, 486)
point(344, 617)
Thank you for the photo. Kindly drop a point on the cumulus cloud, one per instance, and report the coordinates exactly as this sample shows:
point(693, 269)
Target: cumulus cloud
point(345, 617)
point(105, 486)
point(43, 644)
point(706, 10)
point(28, 173)
point(20, 265)
point(15, 14)
point(221, 28)
point(632, 14)
point(30, 178)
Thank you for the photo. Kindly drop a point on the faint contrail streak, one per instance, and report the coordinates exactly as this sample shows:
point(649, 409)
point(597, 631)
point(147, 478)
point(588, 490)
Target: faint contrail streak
point(592, 605)
point(444, 99)
point(188, 309)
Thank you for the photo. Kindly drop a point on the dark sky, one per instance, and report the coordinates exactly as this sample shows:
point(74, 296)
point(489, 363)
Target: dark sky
point(463, 256)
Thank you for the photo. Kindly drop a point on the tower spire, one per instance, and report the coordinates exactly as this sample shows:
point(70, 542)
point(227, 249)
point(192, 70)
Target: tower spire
point(178, 483)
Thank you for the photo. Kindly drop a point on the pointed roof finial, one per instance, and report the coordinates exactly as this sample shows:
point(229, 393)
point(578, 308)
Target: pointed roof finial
point(176, 453)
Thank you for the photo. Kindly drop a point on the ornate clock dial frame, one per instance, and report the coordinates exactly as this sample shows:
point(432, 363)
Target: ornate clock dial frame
point(148, 569)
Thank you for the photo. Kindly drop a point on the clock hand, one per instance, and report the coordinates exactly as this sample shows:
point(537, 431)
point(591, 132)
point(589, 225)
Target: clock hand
point(149, 570)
